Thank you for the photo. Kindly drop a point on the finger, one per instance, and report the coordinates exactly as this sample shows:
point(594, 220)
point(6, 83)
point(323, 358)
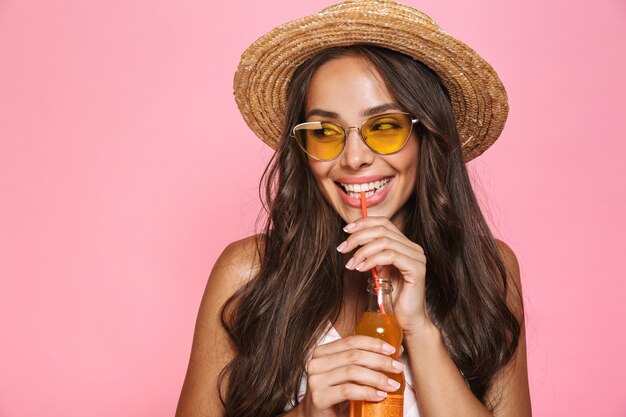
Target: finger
point(374, 233)
point(353, 374)
point(371, 360)
point(368, 235)
point(354, 342)
point(330, 396)
point(371, 221)
point(384, 244)
point(380, 225)
point(410, 268)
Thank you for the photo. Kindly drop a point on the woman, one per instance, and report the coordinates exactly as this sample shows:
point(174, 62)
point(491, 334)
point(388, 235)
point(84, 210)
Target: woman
point(275, 328)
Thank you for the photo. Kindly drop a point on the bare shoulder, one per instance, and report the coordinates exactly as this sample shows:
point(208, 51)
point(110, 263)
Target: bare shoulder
point(239, 261)
point(510, 260)
point(510, 386)
point(236, 265)
point(211, 350)
point(514, 282)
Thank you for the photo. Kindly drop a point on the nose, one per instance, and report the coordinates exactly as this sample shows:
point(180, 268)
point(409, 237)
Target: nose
point(356, 153)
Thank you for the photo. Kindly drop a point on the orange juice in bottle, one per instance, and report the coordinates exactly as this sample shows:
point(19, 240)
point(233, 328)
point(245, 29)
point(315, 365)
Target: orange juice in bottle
point(378, 321)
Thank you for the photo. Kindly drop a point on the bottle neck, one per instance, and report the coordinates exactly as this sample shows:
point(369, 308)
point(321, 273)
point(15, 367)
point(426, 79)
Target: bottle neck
point(379, 292)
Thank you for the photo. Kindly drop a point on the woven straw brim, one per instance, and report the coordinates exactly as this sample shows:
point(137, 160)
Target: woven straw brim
point(478, 97)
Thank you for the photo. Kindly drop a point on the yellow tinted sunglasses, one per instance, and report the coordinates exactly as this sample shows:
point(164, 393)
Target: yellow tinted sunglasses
point(384, 134)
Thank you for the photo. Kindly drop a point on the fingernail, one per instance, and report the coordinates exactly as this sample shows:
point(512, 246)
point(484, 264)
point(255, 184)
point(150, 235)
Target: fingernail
point(397, 365)
point(342, 246)
point(393, 384)
point(350, 263)
point(388, 348)
point(360, 266)
point(349, 227)
point(381, 394)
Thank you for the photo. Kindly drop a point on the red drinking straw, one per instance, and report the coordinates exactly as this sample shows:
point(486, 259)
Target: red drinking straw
point(374, 272)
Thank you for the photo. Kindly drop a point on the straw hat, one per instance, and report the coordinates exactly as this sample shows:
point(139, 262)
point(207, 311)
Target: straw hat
point(478, 97)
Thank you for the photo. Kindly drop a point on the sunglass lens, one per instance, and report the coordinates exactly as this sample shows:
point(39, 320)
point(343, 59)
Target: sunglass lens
point(321, 140)
point(387, 133)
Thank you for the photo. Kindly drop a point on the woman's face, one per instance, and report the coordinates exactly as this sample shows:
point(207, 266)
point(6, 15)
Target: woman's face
point(347, 91)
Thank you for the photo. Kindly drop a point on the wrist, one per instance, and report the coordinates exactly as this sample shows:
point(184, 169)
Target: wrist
point(422, 335)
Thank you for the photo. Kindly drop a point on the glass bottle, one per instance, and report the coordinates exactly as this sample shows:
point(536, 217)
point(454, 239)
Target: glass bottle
point(379, 321)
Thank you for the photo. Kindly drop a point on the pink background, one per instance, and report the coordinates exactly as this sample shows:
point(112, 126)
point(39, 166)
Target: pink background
point(125, 168)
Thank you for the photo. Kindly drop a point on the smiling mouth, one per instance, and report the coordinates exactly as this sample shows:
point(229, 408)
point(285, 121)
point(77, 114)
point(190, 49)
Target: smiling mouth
point(370, 188)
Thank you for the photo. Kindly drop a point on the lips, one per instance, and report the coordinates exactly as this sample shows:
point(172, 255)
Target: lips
point(375, 190)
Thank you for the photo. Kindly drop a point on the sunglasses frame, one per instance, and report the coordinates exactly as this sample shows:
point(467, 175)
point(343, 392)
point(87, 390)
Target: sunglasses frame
point(359, 130)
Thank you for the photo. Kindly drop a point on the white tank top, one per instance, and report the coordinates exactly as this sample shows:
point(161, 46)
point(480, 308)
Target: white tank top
point(410, 402)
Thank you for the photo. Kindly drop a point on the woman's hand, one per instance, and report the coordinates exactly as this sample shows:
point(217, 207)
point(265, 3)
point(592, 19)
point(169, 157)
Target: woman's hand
point(348, 369)
point(383, 246)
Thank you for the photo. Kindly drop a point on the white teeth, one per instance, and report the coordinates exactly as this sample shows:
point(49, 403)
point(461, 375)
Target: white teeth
point(354, 190)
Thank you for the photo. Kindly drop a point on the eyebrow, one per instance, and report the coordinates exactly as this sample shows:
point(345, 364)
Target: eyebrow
point(369, 112)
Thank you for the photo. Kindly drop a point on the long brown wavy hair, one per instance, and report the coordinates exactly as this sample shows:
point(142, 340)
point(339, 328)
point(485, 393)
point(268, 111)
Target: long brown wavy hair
point(275, 319)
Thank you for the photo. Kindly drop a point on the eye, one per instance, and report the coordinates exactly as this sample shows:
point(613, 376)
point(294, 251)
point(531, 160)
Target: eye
point(324, 132)
point(384, 126)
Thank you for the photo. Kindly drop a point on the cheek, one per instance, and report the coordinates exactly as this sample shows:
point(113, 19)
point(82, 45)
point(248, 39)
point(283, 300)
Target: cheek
point(317, 170)
point(408, 157)
point(320, 171)
point(407, 165)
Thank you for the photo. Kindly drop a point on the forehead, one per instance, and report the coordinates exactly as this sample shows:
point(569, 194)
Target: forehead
point(349, 86)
